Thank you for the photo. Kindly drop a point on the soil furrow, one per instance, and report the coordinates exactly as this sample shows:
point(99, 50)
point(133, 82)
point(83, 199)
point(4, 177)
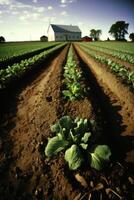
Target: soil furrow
point(117, 60)
point(21, 165)
point(117, 104)
point(26, 173)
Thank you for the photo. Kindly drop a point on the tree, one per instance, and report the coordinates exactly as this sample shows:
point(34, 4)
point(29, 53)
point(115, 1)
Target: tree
point(131, 36)
point(119, 30)
point(98, 33)
point(95, 34)
point(2, 39)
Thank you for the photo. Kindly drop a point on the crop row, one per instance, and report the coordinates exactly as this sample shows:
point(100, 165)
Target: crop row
point(17, 57)
point(11, 50)
point(77, 138)
point(18, 69)
point(73, 84)
point(124, 47)
point(118, 69)
point(119, 55)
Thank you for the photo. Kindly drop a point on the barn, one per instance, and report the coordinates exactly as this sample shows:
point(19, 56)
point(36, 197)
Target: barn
point(86, 39)
point(63, 33)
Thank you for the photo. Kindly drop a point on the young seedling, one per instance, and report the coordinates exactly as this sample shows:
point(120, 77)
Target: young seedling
point(74, 138)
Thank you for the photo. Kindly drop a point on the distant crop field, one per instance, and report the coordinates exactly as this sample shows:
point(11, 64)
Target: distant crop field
point(119, 46)
point(117, 50)
point(11, 49)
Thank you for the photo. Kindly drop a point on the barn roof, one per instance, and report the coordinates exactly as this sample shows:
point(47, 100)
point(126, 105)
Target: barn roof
point(65, 28)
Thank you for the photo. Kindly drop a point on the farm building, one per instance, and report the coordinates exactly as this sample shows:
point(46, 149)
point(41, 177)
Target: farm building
point(63, 33)
point(86, 39)
point(43, 38)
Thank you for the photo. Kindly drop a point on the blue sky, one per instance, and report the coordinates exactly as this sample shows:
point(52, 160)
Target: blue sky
point(29, 19)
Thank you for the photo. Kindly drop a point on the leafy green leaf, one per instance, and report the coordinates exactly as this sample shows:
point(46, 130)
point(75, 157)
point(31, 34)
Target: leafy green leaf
point(95, 161)
point(56, 128)
point(67, 93)
point(55, 145)
point(103, 151)
point(99, 156)
point(74, 157)
point(81, 126)
point(84, 146)
point(86, 137)
point(75, 137)
point(66, 122)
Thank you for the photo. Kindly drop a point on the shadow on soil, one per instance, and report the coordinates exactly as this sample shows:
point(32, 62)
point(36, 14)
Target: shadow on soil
point(12, 189)
point(107, 116)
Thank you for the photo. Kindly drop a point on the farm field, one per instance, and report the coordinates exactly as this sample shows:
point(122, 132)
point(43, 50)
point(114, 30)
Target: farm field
point(11, 49)
point(62, 84)
point(11, 53)
point(119, 46)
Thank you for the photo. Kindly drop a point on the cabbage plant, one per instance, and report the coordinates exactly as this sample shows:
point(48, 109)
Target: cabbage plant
point(74, 138)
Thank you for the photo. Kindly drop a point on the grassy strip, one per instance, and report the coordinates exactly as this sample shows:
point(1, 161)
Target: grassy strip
point(18, 69)
point(8, 51)
point(123, 47)
point(16, 58)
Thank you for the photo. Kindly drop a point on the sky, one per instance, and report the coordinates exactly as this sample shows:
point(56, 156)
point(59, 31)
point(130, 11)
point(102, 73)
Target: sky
point(22, 20)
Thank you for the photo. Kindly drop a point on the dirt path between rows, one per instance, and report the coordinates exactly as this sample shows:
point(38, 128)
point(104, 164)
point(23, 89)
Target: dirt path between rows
point(35, 110)
point(117, 60)
point(120, 97)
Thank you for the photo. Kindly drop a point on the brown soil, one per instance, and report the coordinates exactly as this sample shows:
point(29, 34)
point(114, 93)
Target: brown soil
point(17, 59)
point(120, 98)
point(117, 60)
point(21, 134)
point(25, 171)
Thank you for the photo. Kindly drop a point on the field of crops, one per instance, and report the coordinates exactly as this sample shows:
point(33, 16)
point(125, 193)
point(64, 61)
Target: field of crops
point(118, 46)
point(67, 122)
point(11, 49)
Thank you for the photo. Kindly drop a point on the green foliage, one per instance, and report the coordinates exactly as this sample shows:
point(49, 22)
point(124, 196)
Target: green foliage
point(120, 55)
point(119, 30)
point(74, 157)
point(75, 137)
point(95, 34)
point(74, 88)
point(131, 78)
point(120, 70)
point(11, 50)
point(101, 153)
point(2, 39)
point(131, 36)
point(55, 145)
point(17, 69)
point(120, 47)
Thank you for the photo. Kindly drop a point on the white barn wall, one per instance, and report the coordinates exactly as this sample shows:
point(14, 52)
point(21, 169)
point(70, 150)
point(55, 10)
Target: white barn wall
point(57, 36)
point(51, 35)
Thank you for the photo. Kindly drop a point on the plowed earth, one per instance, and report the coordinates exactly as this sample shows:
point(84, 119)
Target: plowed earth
point(25, 172)
point(124, 63)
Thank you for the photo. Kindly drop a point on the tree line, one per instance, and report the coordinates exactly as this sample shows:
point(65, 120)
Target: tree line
point(117, 30)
